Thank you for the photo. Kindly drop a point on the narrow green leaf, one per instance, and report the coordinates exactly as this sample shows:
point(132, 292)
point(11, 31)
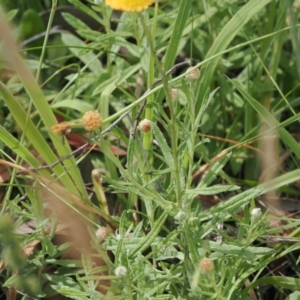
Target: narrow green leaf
point(214, 171)
point(79, 105)
point(284, 282)
point(193, 251)
point(165, 149)
point(270, 120)
point(87, 10)
point(33, 134)
point(232, 205)
point(232, 28)
point(226, 248)
point(109, 88)
point(179, 25)
point(145, 193)
point(70, 263)
point(74, 22)
point(143, 245)
point(71, 293)
point(231, 250)
point(213, 190)
point(15, 145)
point(280, 181)
point(114, 38)
point(130, 155)
point(79, 49)
point(109, 85)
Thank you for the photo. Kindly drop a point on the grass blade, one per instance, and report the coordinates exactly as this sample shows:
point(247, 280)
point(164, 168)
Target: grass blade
point(270, 120)
point(232, 28)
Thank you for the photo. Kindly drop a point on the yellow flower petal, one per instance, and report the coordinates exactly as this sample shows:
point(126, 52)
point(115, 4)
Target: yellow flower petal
point(129, 5)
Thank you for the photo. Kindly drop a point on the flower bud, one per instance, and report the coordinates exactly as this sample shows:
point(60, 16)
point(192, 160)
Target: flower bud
point(120, 271)
point(92, 120)
point(145, 125)
point(192, 75)
point(206, 265)
point(103, 232)
point(180, 216)
point(175, 94)
point(256, 212)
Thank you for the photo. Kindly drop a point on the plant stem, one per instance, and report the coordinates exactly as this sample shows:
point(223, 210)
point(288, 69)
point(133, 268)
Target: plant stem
point(51, 17)
point(147, 138)
point(173, 127)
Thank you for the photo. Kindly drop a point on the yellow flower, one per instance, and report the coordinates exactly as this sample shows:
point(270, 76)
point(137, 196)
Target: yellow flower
point(129, 5)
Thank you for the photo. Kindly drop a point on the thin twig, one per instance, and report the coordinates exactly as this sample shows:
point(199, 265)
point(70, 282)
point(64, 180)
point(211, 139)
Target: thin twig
point(53, 30)
point(115, 123)
point(136, 120)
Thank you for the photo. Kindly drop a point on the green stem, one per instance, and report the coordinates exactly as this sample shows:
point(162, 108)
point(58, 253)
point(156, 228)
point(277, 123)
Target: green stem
point(147, 138)
point(51, 17)
point(173, 127)
point(188, 162)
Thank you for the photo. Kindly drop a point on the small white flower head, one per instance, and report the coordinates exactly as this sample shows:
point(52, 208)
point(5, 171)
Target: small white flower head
point(256, 212)
point(180, 216)
point(103, 232)
point(120, 271)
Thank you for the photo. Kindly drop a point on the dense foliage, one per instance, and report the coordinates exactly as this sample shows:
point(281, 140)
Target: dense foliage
point(188, 190)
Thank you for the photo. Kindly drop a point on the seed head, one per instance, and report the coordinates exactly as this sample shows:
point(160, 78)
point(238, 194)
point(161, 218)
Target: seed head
point(92, 120)
point(206, 265)
point(103, 232)
point(145, 125)
point(61, 128)
point(175, 94)
point(193, 75)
